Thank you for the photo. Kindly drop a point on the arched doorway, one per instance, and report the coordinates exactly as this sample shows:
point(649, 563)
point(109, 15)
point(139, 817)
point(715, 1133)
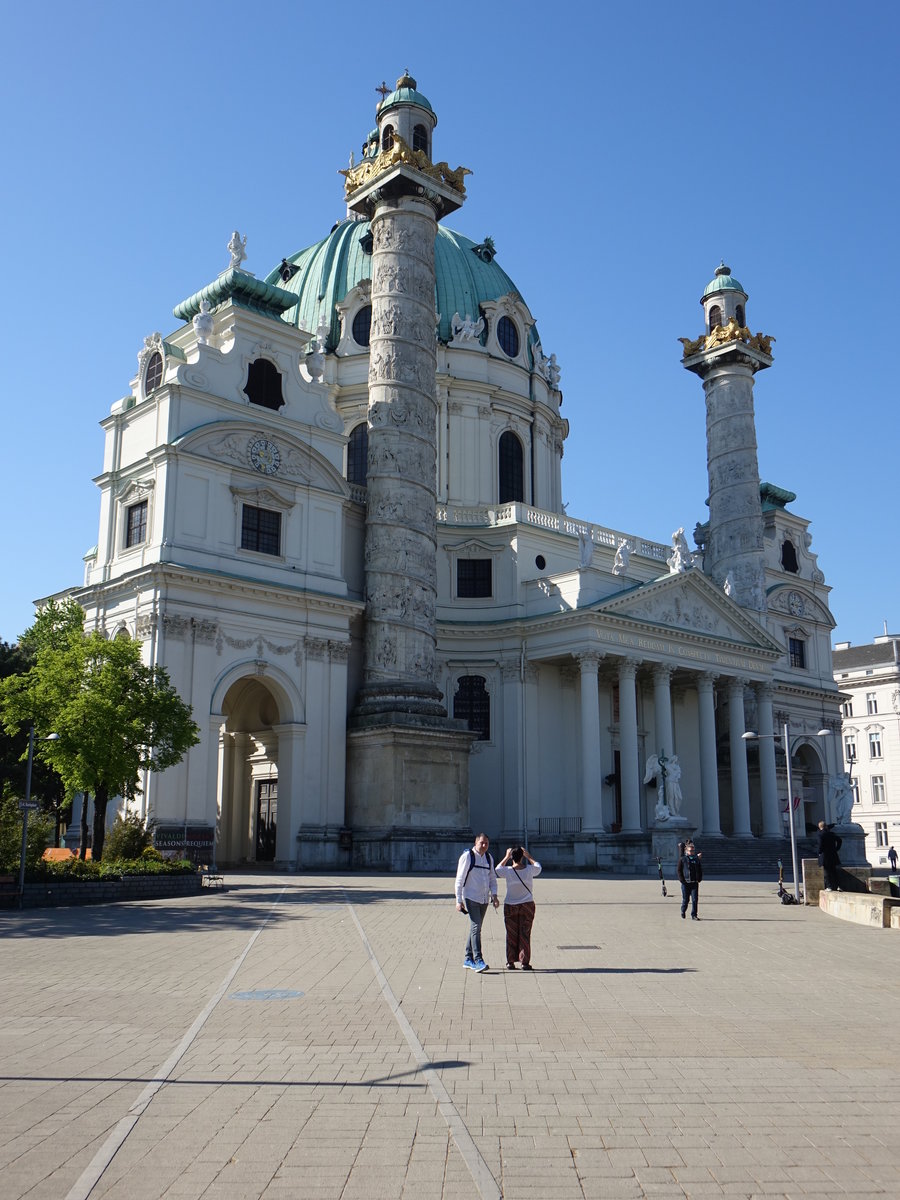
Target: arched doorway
point(810, 782)
point(257, 751)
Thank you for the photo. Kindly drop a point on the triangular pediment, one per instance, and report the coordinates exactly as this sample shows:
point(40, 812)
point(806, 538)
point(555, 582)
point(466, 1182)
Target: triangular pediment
point(689, 603)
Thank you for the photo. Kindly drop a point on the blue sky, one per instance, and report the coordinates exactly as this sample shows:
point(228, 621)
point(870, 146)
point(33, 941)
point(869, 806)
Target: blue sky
point(618, 153)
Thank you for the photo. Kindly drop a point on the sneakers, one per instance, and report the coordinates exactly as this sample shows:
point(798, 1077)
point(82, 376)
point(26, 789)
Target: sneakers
point(526, 966)
point(682, 914)
point(470, 963)
point(480, 966)
point(694, 917)
point(510, 966)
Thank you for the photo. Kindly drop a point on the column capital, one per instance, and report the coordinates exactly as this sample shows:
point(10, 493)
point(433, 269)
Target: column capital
point(765, 692)
point(736, 686)
point(628, 667)
point(588, 660)
point(662, 673)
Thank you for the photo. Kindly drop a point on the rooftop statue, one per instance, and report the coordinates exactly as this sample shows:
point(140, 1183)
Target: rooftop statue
point(623, 557)
point(237, 248)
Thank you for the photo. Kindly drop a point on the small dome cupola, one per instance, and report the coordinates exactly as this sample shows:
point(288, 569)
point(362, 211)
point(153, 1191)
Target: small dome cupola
point(723, 299)
point(407, 113)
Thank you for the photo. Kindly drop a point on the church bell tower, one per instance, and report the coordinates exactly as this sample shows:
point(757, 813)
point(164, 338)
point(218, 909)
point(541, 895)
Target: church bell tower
point(727, 356)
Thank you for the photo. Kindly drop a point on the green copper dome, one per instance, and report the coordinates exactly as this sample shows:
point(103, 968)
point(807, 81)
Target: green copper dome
point(723, 282)
point(405, 93)
point(467, 275)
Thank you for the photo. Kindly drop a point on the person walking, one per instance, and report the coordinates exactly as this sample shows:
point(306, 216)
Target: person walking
point(690, 875)
point(519, 870)
point(476, 888)
point(829, 844)
point(892, 857)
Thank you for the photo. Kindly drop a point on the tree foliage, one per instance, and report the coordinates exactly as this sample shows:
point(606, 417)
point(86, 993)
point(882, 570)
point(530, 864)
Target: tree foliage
point(115, 716)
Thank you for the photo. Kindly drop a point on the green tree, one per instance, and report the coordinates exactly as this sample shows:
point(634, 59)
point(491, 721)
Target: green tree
point(115, 716)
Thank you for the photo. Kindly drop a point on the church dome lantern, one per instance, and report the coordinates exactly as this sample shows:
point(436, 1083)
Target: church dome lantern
point(723, 298)
point(406, 113)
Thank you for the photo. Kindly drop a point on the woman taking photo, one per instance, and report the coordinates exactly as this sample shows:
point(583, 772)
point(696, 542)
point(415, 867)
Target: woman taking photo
point(519, 870)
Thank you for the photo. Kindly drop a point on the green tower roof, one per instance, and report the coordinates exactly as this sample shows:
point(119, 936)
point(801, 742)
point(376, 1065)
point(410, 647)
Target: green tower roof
point(405, 93)
point(724, 281)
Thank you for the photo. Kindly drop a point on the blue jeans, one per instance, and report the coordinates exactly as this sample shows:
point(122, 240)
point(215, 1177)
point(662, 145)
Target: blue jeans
point(473, 941)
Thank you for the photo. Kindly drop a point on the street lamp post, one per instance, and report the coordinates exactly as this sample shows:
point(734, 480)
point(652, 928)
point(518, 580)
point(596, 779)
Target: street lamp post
point(786, 739)
point(52, 737)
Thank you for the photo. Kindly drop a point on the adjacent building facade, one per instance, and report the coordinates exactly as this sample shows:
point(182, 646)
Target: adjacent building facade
point(331, 508)
point(869, 682)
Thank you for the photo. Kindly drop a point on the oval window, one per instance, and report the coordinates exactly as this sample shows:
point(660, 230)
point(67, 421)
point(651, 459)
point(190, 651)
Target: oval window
point(154, 373)
point(362, 326)
point(508, 337)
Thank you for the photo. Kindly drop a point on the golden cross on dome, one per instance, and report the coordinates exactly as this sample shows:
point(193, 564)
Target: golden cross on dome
point(384, 90)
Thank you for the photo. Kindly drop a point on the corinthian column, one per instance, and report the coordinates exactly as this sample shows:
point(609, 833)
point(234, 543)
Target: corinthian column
point(628, 747)
point(768, 784)
point(662, 709)
point(591, 771)
point(740, 788)
point(709, 762)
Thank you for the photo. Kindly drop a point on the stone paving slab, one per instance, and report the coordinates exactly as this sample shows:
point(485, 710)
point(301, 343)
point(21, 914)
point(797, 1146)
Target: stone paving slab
point(753, 1053)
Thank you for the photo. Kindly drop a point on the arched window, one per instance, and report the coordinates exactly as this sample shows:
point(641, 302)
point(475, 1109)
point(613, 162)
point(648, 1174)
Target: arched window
point(362, 326)
point(153, 373)
point(789, 556)
point(357, 454)
point(715, 317)
point(387, 137)
point(511, 472)
point(739, 313)
point(264, 384)
point(472, 703)
point(508, 337)
point(420, 138)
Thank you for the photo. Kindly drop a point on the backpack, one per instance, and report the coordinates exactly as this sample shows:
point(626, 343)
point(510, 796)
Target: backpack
point(472, 864)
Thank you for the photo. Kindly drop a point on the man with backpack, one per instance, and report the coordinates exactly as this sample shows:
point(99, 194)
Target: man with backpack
point(476, 888)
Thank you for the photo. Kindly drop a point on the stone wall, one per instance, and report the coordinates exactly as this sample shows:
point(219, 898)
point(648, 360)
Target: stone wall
point(52, 892)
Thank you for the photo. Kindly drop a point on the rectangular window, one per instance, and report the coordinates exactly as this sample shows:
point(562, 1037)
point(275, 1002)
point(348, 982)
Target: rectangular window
point(881, 833)
point(260, 530)
point(878, 793)
point(847, 708)
point(850, 748)
point(473, 577)
point(854, 791)
point(875, 745)
point(136, 526)
point(797, 652)
point(871, 703)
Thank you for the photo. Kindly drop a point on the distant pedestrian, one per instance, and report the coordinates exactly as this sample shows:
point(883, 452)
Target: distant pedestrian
point(519, 870)
point(690, 875)
point(476, 888)
point(829, 844)
point(892, 856)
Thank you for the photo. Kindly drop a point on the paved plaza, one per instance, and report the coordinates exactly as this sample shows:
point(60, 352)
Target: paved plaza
point(317, 1036)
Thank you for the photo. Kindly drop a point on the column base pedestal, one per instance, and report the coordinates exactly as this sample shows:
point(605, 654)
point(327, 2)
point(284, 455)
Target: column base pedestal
point(407, 783)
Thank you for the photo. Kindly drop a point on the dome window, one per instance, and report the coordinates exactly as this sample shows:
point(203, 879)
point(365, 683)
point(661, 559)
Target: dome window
point(540, 562)
point(715, 317)
point(511, 469)
point(357, 454)
point(362, 326)
point(420, 138)
point(739, 313)
point(387, 137)
point(264, 384)
point(508, 337)
point(153, 373)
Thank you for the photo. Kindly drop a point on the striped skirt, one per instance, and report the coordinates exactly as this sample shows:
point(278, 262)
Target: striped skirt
point(519, 918)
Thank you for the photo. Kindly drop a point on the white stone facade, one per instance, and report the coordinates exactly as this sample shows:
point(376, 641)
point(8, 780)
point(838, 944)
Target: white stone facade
point(233, 546)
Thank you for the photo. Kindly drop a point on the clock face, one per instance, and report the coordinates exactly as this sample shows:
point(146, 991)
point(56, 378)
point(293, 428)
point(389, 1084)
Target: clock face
point(795, 603)
point(264, 456)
